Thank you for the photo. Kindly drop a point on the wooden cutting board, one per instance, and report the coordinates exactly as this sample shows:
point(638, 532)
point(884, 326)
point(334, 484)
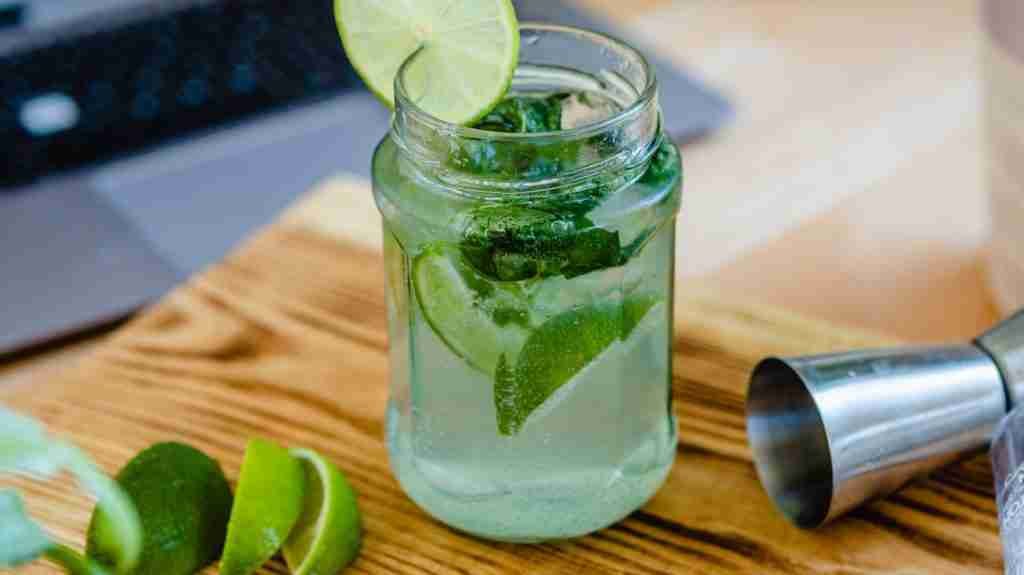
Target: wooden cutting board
point(287, 339)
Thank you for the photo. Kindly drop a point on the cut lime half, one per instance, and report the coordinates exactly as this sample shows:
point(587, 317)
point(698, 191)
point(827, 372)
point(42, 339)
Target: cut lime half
point(466, 51)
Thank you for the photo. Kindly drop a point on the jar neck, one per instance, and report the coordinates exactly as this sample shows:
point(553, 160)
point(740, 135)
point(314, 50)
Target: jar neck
point(471, 160)
point(553, 60)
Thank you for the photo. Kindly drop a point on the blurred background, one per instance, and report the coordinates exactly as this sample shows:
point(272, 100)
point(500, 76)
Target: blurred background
point(836, 153)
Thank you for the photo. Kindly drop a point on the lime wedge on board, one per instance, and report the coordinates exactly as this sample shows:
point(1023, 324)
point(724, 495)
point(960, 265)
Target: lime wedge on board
point(268, 502)
point(466, 51)
point(328, 534)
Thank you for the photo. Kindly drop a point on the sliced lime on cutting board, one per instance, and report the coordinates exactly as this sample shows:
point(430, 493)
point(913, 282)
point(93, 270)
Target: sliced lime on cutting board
point(268, 502)
point(183, 501)
point(475, 317)
point(328, 534)
point(467, 51)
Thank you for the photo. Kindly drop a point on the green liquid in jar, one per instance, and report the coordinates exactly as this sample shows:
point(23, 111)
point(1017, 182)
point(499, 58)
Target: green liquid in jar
point(530, 340)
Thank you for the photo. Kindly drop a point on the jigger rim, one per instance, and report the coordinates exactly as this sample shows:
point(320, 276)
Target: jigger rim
point(790, 443)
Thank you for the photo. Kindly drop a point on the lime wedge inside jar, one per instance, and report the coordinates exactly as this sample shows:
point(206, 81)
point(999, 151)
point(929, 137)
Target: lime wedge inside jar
point(476, 318)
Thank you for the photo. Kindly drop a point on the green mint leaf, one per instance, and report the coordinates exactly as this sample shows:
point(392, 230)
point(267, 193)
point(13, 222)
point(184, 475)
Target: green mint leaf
point(551, 236)
point(503, 159)
point(515, 243)
point(525, 114)
point(592, 249)
point(23, 540)
point(512, 243)
point(664, 164)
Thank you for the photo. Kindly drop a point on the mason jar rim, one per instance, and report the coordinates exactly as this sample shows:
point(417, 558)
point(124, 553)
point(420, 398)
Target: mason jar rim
point(644, 97)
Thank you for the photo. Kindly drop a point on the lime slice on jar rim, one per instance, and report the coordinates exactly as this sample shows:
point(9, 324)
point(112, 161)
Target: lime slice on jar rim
point(466, 51)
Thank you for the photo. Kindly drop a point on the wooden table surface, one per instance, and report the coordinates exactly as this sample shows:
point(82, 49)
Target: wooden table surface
point(848, 187)
point(850, 184)
point(287, 339)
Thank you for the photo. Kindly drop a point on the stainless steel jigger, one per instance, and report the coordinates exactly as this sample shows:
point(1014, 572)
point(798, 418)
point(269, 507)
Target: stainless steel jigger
point(830, 432)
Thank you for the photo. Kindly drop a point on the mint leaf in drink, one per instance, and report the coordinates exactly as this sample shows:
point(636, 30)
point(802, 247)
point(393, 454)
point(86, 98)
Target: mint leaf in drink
point(511, 243)
point(515, 243)
point(555, 352)
point(550, 235)
point(525, 114)
point(512, 160)
point(664, 164)
point(592, 249)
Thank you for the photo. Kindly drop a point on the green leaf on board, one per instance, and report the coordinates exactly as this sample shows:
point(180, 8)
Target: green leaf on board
point(23, 540)
point(26, 448)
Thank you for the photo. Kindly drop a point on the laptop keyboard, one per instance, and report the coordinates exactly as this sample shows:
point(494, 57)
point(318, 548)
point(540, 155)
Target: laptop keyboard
point(89, 97)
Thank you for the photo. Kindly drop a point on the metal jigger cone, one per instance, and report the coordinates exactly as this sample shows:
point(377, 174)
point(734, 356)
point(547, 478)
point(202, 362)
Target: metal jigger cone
point(830, 432)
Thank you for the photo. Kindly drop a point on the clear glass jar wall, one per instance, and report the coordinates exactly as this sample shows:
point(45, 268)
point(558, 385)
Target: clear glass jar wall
point(530, 280)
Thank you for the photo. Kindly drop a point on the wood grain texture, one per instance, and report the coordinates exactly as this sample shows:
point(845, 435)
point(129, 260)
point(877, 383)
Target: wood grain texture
point(286, 339)
point(846, 170)
point(823, 109)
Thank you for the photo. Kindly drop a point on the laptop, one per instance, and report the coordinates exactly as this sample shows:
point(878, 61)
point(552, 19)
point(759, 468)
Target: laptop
point(144, 138)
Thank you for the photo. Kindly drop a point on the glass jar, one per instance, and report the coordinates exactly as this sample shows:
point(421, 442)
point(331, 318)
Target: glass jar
point(530, 281)
point(1007, 454)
